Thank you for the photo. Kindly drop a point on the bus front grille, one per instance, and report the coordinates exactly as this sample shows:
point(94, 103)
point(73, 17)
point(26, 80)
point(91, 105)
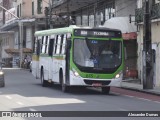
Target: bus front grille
point(91, 82)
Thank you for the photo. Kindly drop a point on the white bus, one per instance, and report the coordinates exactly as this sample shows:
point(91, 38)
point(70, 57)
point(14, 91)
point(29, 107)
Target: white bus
point(79, 56)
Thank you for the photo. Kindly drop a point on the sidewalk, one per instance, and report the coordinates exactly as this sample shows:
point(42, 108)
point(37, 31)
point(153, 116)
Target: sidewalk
point(136, 86)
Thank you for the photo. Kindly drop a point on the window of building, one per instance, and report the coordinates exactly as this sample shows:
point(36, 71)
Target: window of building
point(7, 40)
point(109, 13)
point(39, 7)
point(85, 20)
point(91, 16)
point(16, 38)
point(18, 10)
point(78, 20)
point(85, 17)
point(32, 8)
point(91, 20)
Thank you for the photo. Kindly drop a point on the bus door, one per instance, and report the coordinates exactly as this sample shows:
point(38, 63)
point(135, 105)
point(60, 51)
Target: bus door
point(56, 59)
point(50, 53)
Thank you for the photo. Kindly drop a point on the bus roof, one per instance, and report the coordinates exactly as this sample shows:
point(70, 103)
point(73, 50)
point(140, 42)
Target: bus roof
point(68, 30)
point(55, 31)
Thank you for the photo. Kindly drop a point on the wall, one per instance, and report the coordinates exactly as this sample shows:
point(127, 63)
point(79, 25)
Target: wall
point(16, 45)
point(45, 3)
point(125, 7)
point(155, 45)
point(26, 8)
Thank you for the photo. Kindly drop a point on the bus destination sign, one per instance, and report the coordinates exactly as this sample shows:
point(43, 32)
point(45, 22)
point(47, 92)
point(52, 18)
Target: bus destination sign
point(97, 33)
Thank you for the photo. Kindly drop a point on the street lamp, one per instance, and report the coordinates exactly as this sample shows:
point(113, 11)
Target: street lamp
point(20, 24)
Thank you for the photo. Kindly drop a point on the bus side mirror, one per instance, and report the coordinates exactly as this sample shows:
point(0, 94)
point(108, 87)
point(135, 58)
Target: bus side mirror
point(69, 44)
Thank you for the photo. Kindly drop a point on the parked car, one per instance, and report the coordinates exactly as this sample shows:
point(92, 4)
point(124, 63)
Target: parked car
point(2, 82)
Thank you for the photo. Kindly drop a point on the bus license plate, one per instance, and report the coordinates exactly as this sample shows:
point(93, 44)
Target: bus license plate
point(97, 84)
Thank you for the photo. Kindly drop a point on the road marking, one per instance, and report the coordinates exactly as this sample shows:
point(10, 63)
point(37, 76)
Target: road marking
point(9, 97)
point(143, 99)
point(137, 98)
point(121, 109)
point(19, 103)
point(31, 109)
point(157, 102)
point(128, 96)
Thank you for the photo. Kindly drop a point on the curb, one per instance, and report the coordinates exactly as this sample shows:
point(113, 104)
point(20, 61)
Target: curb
point(140, 90)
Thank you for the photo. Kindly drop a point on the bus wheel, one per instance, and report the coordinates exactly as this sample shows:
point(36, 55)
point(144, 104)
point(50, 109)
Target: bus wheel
point(43, 82)
point(64, 86)
point(106, 90)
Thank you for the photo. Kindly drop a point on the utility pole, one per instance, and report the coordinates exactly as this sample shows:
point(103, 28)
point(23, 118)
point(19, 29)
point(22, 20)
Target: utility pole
point(50, 14)
point(47, 19)
point(68, 13)
point(147, 48)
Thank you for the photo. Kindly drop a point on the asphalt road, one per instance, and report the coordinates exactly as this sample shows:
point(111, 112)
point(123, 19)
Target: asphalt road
point(24, 93)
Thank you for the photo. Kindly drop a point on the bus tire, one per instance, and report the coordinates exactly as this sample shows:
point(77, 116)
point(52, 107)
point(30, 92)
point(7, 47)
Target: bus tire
point(64, 86)
point(43, 82)
point(106, 90)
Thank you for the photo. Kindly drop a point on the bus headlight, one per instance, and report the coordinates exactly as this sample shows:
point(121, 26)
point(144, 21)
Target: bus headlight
point(1, 73)
point(118, 75)
point(75, 72)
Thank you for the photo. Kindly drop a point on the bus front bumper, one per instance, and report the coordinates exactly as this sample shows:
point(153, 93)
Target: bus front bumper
point(79, 81)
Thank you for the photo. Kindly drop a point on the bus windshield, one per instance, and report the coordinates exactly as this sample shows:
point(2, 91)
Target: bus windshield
point(97, 55)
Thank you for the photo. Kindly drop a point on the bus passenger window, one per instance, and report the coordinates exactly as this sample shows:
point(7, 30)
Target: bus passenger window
point(58, 44)
point(64, 44)
point(46, 44)
point(56, 40)
point(43, 44)
point(61, 44)
point(50, 49)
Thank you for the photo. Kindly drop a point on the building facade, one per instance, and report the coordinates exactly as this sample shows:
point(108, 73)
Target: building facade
point(31, 18)
point(6, 37)
point(155, 28)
